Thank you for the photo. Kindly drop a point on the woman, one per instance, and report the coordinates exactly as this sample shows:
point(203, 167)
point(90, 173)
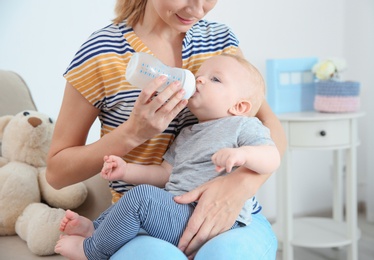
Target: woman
point(139, 127)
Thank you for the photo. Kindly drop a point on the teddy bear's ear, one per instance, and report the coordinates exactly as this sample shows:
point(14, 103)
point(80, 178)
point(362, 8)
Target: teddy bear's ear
point(4, 120)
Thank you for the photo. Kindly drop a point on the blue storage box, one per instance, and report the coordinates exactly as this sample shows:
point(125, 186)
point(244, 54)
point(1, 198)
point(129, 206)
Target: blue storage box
point(290, 84)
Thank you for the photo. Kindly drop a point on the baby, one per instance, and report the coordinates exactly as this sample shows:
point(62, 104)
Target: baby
point(229, 92)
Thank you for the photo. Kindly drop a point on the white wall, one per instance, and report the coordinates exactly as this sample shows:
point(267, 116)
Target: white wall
point(38, 38)
point(359, 42)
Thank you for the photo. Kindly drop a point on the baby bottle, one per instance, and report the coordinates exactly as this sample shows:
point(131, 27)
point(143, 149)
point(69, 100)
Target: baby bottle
point(144, 67)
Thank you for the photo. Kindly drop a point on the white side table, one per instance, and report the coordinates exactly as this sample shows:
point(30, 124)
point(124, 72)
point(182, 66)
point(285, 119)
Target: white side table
point(322, 131)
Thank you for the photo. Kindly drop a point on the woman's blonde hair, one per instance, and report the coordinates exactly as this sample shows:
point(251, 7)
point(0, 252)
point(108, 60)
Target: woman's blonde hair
point(131, 10)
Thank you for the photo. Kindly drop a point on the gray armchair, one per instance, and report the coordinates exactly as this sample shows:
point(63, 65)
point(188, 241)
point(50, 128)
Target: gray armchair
point(16, 97)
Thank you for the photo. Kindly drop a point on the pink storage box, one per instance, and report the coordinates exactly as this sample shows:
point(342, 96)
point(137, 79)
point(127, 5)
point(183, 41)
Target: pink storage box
point(337, 96)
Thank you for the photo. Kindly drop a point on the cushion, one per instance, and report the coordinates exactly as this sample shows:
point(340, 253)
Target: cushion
point(14, 94)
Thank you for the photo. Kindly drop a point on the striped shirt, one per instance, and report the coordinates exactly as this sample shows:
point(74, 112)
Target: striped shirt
point(98, 73)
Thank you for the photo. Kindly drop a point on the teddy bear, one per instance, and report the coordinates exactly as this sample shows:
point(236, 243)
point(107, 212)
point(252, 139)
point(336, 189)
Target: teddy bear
point(29, 206)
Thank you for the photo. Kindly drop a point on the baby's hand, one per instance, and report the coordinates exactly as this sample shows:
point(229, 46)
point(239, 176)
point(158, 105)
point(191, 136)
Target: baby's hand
point(108, 166)
point(113, 168)
point(227, 158)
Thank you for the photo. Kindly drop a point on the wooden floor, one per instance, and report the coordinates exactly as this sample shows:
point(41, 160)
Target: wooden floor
point(365, 247)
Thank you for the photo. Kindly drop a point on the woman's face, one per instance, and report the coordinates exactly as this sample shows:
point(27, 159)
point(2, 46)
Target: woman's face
point(182, 14)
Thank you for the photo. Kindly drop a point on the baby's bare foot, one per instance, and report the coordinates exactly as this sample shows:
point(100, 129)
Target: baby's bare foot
point(74, 224)
point(71, 247)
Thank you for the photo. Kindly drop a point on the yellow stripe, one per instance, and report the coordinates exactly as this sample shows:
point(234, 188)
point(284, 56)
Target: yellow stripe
point(115, 196)
point(136, 43)
point(103, 70)
point(151, 151)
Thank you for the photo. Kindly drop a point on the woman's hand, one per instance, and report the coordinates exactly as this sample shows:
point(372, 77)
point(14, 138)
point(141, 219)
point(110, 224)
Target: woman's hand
point(152, 114)
point(219, 204)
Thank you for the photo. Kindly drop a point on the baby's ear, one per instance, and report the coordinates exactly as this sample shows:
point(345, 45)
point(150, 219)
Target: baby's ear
point(241, 108)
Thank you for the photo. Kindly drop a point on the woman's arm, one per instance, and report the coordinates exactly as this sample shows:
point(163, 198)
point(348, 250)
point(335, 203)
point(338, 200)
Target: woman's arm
point(270, 120)
point(221, 199)
point(70, 160)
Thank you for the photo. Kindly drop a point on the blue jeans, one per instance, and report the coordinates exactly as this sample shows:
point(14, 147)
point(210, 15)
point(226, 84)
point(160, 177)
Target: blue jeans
point(255, 241)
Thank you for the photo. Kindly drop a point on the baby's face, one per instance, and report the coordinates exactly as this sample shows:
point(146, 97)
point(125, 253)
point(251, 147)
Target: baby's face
point(219, 85)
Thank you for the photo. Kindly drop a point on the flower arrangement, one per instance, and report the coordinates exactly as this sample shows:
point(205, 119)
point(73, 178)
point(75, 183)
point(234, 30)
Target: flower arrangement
point(333, 94)
point(329, 69)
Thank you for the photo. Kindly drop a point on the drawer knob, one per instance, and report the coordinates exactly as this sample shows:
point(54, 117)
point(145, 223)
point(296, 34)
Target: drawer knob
point(322, 133)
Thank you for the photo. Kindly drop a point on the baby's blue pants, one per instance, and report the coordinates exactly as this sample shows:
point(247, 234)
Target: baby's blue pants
point(255, 241)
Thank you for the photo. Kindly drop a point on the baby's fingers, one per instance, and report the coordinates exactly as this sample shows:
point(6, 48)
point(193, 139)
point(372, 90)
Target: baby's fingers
point(219, 168)
point(105, 171)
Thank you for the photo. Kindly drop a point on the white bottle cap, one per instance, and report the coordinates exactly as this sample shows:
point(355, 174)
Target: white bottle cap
point(189, 84)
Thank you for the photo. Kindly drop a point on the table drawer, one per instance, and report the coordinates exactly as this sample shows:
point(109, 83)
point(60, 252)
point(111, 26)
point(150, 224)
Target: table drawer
point(319, 133)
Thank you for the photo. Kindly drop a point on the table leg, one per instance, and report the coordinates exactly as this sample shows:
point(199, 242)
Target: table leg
point(287, 216)
point(351, 196)
point(338, 186)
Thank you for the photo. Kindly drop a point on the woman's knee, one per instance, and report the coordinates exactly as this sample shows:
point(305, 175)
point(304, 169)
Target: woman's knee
point(255, 241)
point(145, 247)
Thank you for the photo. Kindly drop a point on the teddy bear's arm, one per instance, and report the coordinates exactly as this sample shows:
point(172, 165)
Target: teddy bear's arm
point(69, 197)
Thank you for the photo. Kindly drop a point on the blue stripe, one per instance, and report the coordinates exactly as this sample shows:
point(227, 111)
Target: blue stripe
point(83, 57)
point(206, 34)
point(256, 208)
point(337, 88)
